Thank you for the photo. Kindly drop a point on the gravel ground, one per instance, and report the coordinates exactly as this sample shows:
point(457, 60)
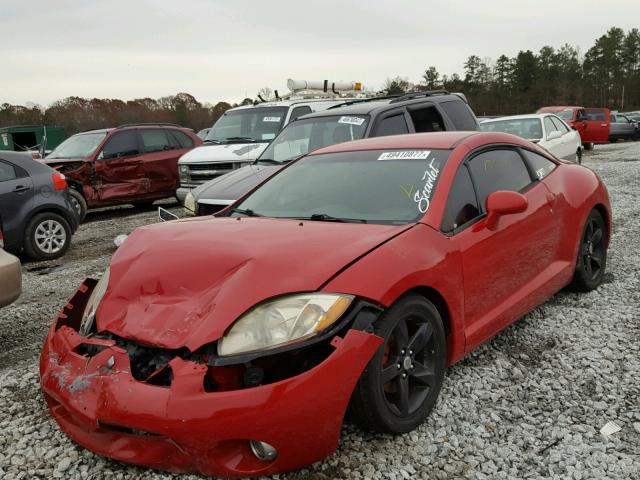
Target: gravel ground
point(528, 404)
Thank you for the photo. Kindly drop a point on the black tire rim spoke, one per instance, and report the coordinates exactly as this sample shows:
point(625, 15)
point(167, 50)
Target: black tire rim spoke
point(596, 238)
point(423, 375)
point(403, 396)
point(419, 339)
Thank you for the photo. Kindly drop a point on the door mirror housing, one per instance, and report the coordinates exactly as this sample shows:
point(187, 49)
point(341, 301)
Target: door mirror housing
point(554, 135)
point(503, 202)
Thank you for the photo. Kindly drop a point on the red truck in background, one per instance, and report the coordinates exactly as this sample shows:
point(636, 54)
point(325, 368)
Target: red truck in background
point(593, 124)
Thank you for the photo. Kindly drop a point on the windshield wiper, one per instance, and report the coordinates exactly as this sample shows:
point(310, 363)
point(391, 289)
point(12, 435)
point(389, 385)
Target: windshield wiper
point(248, 212)
point(211, 141)
point(268, 161)
point(323, 217)
point(241, 139)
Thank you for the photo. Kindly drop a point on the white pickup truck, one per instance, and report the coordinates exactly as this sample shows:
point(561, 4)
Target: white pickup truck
point(242, 133)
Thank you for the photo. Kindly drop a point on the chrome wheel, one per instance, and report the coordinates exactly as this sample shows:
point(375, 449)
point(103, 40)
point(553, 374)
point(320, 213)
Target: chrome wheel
point(50, 236)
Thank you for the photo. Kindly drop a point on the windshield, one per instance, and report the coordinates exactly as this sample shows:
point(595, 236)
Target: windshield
point(259, 124)
point(388, 187)
point(78, 146)
point(527, 128)
point(303, 136)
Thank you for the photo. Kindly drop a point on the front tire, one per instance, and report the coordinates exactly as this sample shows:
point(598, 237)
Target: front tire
point(579, 156)
point(79, 204)
point(401, 383)
point(592, 255)
point(47, 236)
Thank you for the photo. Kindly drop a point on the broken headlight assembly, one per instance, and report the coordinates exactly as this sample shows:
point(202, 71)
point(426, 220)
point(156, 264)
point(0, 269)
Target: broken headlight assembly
point(89, 314)
point(283, 321)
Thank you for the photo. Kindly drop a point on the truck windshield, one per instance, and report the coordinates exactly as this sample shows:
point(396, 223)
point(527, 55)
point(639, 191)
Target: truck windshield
point(78, 146)
point(374, 186)
point(306, 135)
point(527, 128)
point(260, 124)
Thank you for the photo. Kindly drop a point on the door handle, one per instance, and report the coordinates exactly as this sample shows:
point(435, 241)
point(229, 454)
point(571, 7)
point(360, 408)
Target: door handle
point(603, 124)
point(21, 188)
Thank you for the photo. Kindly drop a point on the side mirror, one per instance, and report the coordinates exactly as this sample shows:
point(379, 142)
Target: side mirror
point(503, 202)
point(554, 135)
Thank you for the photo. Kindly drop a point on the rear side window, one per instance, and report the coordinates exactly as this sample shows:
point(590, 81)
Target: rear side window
point(184, 139)
point(540, 165)
point(121, 144)
point(299, 111)
point(596, 115)
point(156, 141)
point(560, 126)
point(499, 169)
point(7, 172)
point(395, 125)
point(462, 205)
point(459, 114)
point(426, 119)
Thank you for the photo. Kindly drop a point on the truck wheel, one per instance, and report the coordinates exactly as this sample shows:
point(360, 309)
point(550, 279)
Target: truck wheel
point(47, 236)
point(79, 204)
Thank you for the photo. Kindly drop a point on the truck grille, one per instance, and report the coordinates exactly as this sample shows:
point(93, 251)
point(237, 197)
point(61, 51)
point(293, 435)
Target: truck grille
point(199, 173)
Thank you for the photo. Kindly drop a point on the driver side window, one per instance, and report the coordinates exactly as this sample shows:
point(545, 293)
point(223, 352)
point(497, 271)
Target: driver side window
point(121, 144)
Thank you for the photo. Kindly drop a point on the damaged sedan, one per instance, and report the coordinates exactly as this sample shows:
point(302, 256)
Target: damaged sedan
point(341, 287)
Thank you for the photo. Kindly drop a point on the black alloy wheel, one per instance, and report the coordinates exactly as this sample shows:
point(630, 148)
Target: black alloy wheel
point(400, 385)
point(592, 254)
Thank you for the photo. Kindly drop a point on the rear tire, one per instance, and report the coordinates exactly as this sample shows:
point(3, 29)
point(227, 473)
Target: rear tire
point(79, 204)
point(400, 385)
point(592, 255)
point(579, 156)
point(47, 236)
point(146, 205)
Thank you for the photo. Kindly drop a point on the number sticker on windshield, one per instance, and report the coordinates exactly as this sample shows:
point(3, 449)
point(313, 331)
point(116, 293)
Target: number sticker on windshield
point(271, 119)
point(405, 155)
point(351, 120)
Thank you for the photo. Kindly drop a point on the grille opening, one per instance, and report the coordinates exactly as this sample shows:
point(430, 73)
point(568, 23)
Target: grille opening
point(210, 166)
point(265, 370)
point(112, 427)
point(206, 209)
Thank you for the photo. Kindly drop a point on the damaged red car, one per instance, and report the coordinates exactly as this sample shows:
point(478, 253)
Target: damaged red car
point(345, 284)
point(132, 163)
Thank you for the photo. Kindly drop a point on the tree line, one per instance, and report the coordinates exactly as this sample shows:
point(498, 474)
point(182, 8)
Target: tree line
point(607, 75)
point(78, 114)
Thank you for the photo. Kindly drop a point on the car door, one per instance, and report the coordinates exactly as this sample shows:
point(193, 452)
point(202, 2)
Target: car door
point(16, 200)
point(501, 266)
point(568, 144)
point(161, 152)
point(597, 125)
point(118, 170)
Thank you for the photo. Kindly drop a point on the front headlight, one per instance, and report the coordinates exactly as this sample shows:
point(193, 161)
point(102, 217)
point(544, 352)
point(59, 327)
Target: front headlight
point(283, 321)
point(89, 314)
point(190, 203)
point(183, 171)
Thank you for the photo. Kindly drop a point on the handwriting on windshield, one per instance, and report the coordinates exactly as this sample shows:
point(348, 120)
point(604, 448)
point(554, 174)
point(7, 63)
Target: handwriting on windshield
point(423, 197)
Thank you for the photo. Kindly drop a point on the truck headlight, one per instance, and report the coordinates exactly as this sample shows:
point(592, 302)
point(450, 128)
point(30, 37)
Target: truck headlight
point(183, 171)
point(89, 314)
point(283, 321)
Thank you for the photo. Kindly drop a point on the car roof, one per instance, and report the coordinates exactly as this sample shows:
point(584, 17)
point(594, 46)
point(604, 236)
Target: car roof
point(24, 160)
point(435, 140)
point(557, 108)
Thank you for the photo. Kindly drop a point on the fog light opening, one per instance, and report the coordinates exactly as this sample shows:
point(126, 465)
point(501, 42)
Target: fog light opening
point(263, 451)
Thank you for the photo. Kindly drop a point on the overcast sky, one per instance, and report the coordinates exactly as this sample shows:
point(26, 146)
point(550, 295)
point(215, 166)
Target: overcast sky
point(226, 50)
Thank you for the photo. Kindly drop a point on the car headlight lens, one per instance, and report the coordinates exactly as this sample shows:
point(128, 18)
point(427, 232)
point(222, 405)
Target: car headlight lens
point(283, 321)
point(190, 203)
point(89, 314)
point(183, 171)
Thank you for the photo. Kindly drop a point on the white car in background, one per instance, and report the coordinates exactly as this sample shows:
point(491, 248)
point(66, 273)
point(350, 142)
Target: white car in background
point(545, 129)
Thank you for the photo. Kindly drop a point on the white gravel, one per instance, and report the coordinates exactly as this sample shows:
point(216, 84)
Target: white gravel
point(528, 404)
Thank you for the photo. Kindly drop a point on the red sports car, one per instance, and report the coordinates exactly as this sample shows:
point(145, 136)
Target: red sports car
point(347, 282)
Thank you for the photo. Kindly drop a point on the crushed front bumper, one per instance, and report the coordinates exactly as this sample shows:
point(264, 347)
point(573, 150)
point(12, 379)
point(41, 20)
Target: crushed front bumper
point(99, 404)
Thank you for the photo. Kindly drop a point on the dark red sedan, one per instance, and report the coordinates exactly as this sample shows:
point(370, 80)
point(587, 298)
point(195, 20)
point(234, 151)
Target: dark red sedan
point(347, 282)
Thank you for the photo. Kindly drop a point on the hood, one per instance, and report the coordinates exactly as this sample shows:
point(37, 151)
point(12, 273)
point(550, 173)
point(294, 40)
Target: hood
point(183, 283)
point(234, 184)
point(52, 162)
point(228, 152)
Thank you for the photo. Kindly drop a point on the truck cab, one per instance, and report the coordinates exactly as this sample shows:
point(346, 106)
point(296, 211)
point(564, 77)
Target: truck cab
point(241, 134)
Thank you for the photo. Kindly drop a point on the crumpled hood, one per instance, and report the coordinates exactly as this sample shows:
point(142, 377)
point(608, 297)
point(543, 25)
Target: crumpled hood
point(184, 283)
point(52, 162)
point(228, 152)
point(234, 184)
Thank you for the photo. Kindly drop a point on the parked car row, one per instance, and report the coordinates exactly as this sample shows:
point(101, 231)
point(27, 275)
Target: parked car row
point(412, 113)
